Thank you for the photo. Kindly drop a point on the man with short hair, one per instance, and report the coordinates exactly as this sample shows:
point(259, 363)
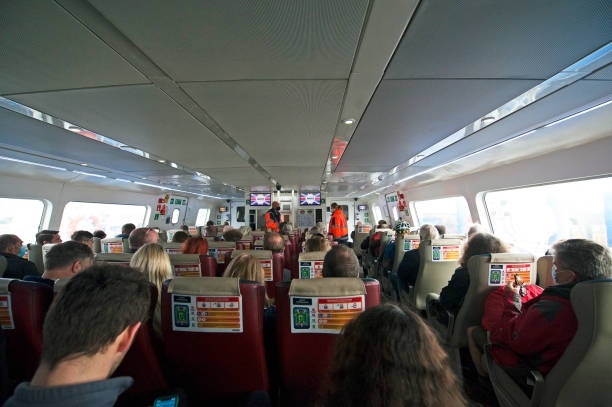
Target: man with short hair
point(126, 230)
point(64, 260)
point(83, 236)
point(48, 236)
point(274, 241)
point(11, 247)
point(273, 217)
point(337, 225)
point(106, 305)
point(100, 234)
point(140, 237)
point(341, 261)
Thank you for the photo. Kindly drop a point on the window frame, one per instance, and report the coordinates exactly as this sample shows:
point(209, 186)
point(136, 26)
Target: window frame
point(45, 215)
point(414, 213)
point(176, 211)
point(207, 216)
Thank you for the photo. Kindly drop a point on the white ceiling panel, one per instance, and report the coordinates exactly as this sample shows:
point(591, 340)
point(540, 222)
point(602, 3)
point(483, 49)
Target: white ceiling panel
point(604, 73)
point(407, 116)
point(246, 39)
point(140, 116)
point(293, 177)
point(44, 48)
point(239, 176)
point(282, 123)
point(500, 39)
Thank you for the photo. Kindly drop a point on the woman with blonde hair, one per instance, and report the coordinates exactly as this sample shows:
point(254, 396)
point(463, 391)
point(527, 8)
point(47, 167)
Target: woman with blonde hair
point(317, 244)
point(247, 267)
point(153, 260)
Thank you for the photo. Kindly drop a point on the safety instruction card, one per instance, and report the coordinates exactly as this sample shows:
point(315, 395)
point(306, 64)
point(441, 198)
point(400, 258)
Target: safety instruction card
point(311, 269)
point(324, 314)
point(445, 253)
point(267, 268)
point(411, 244)
point(113, 247)
point(187, 270)
point(206, 314)
point(501, 274)
point(6, 312)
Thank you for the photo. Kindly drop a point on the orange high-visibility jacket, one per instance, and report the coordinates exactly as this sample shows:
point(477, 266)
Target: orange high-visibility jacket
point(273, 220)
point(337, 224)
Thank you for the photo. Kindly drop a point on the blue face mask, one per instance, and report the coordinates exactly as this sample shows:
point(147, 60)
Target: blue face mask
point(22, 252)
point(554, 274)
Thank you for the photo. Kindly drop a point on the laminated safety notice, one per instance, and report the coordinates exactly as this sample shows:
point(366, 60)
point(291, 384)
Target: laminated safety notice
point(172, 250)
point(187, 270)
point(113, 247)
point(221, 255)
point(267, 268)
point(411, 244)
point(311, 269)
point(206, 314)
point(502, 274)
point(445, 253)
point(6, 312)
point(324, 314)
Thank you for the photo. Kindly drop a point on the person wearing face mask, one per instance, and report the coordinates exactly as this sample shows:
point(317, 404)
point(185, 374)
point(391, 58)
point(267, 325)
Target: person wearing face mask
point(273, 218)
point(534, 335)
point(11, 247)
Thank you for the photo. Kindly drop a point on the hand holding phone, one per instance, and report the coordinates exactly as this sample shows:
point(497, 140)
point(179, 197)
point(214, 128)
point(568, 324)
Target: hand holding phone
point(518, 282)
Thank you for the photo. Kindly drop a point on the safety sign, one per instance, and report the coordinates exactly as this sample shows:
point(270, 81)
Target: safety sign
point(445, 253)
point(6, 312)
point(411, 244)
point(206, 314)
point(311, 269)
point(113, 247)
point(324, 314)
point(187, 270)
point(267, 268)
point(502, 274)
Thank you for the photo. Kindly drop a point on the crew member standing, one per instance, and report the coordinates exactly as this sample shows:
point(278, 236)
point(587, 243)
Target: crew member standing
point(337, 224)
point(273, 217)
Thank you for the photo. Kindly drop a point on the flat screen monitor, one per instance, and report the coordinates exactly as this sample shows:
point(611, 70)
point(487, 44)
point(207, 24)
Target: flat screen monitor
point(362, 207)
point(223, 209)
point(260, 199)
point(310, 198)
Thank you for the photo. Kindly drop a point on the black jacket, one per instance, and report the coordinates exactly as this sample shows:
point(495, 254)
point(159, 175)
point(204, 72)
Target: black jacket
point(17, 267)
point(409, 267)
point(452, 296)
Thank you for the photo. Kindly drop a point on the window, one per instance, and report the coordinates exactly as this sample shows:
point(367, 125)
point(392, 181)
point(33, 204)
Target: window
point(395, 214)
point(534, 218)
point(92, 216)
point(377, 213)
point(450, 212)
point(21, 217)
point(175, 216)
point(202, 217)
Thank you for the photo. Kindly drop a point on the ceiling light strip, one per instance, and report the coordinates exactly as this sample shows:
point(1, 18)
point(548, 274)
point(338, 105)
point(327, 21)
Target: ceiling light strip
point(31, 163)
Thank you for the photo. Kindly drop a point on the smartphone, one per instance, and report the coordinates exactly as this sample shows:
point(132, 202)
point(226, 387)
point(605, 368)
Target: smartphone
point(519, 283)
point(167, 401)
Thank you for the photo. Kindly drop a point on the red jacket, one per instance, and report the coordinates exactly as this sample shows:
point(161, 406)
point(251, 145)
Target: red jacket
point(337, 225)
point(537, 331)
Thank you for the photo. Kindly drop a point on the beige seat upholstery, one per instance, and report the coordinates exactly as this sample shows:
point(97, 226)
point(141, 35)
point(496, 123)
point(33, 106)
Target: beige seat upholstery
point(472, 309)
point(163, 237)
point(359, 238)
point(114, 258)
point(2, 265)
point(310, 262)
point(45, 249)
point(403, 243)
point(258, 235)
point(97, 245)
point(545, 264)
point(435, 268)
point(114, 245)
point(582, 375)
point(35, 255)
point(172, 248)
point(218, 250)
point(186, 265)
point(453, 236)
point(258, 245)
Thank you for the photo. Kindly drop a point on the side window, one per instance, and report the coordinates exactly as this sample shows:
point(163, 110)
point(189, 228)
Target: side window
point(377, 213)
point(202, 218)
point(175, 216)
point(21, 217)
point(93, 216)
point(453, 213)
point(534, 218)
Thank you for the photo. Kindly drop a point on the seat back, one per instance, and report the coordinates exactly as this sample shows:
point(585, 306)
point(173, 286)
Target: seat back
point(311, 265)
point(190, 265)
point(257, 235)
point(35, 255)
point(404, 243)
point(258, 245)
point(23, 306)
point(163, 236)
point(585, 364)
point(306, 343)
point(114, 245)
point(272, 273)
point(545, 264)
point(121, 259)
point(453, 236)
point(487, 273)
point(2, 265)
point(213, 335)
point(245, 244)
point(218, 251)
point(170, 234)
point(45, 249)
point(97, 245)
point(172, 248)
point(438, 260)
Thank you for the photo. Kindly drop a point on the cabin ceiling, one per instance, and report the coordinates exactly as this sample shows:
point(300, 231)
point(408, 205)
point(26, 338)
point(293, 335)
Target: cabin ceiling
point(275, 77)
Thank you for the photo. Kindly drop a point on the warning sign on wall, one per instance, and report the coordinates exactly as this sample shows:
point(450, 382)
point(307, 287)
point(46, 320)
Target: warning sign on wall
point(502, 274)
point(187, 270)
point(445, 253)
point(6, 312)
point(206, 314)
point(324, 314)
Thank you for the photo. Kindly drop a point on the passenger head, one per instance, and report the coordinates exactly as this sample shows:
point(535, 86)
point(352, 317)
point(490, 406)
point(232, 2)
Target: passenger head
point(314, 230)
point(153, 260)
point(64, 260)
point(333, 206)
point(210, 223)
point(142, 236)
point(179, 237)
point(10, 244)
point(245, 267)
point(274, 241)
point(195, 245)
point(83, 236)
point(276, 205)
point(286, 229)
point(388, 356)
point(382, 224)
point(340, 261)
point(475, 228)
point(232, 235)
point(185, 228)
point(94, 317)
point(99, 234)
point(317, 244)
point(246, 230)
point(578, 260)
point(441, 229)
point(428, 232)
point(227, 228)
point(127, 228)
point(322, 228)
point(482, 243)
point(48, 236)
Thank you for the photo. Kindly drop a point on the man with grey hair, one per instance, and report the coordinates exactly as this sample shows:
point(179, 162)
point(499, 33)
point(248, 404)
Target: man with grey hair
point(341, 261)
point(11, 248)
point(537, 333)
